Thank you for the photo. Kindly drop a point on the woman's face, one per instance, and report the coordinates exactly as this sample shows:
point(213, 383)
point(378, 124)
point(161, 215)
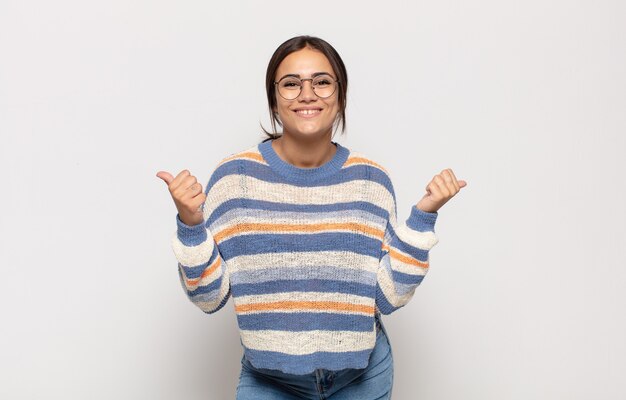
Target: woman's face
point(318, 122)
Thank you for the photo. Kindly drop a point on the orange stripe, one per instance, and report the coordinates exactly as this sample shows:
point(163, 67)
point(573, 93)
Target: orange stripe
point(406, 259)
point(205, 273)
point(250, 155)
point(316, 305)
point(331, 226)
point(361, 160)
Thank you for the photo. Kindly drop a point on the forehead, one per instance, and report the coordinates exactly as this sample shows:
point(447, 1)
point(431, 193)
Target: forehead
point(304, 62)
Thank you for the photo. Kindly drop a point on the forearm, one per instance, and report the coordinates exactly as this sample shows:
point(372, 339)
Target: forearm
point(202, 270)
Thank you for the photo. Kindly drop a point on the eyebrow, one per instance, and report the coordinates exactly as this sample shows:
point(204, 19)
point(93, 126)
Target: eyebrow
point(312, 75)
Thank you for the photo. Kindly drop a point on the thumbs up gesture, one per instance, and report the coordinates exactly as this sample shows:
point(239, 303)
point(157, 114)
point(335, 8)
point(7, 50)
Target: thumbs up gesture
point(187, 194)
point(440, 189)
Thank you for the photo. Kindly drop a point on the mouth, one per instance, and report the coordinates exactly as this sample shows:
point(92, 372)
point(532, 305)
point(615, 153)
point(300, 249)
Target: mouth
point(308, 113)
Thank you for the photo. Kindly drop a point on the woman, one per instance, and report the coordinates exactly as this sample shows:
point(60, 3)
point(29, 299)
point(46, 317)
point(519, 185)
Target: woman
point(302, 233)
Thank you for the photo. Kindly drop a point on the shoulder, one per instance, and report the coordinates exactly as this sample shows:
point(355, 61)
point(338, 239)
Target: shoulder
point(232, 163)
point(250, 154)
point(362, 159)
point(376, 171)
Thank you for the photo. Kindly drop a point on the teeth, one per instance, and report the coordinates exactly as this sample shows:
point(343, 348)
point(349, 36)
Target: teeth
point(307, 112)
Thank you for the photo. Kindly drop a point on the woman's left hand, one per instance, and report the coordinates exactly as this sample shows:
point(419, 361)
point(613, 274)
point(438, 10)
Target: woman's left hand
point(440, 189)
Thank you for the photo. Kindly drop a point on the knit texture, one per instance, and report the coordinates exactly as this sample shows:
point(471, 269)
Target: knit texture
point(309, 255)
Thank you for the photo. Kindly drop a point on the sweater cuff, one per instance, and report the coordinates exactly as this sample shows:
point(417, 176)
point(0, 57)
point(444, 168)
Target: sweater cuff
point(421, 221)
point(190, 235)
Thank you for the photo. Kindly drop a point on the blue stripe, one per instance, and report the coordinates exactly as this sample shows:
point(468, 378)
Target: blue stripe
point(215, 285)
point(222, 303)
point(421, 220)
point(206, 297)
point(304, 285)
point(293, 243)
point(420, 254)
point(403, 283)
point(190, 235)
point(383, 304)
point(289, 272)
point(303, 364)
point(403, 288)
point(311, 209)
point(265, 173)
point(408, 279)
point(306, 321)
point(209, 297)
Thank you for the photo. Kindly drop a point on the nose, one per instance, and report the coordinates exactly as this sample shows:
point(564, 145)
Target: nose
point(307, 93)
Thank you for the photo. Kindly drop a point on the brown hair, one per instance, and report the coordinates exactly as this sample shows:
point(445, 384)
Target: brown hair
point(292, 45)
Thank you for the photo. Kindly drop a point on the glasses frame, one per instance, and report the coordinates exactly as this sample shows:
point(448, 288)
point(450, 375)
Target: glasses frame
point(337, 81)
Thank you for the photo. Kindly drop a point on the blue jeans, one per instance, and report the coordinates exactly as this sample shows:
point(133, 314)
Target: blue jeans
point(371, 383)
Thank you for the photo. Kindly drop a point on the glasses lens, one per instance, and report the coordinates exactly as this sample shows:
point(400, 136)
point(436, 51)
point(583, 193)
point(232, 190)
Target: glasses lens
point(289, 87)
point(324, 86)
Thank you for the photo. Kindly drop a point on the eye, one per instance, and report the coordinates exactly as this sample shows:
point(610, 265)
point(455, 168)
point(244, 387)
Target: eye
point(325, 81)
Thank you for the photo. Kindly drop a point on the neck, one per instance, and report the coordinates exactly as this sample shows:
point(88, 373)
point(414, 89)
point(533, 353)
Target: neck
point(304, 153)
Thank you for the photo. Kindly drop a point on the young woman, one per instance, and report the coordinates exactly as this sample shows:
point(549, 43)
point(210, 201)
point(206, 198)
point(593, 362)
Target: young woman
point(303, 234)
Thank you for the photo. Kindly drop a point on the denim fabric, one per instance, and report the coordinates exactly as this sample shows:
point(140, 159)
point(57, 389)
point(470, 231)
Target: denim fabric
point(371, 383)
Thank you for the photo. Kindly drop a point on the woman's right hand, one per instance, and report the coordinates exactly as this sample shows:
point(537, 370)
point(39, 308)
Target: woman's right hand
point(187, 194)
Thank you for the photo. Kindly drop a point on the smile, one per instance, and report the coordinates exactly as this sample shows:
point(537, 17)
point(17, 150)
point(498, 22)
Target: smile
point(308, 113)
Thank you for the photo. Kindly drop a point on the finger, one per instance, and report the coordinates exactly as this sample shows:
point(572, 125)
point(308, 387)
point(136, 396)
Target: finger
point(191, 192)
point(441, 184)
point(450, 180)
point(165, 176)
point(184, 185)
point(434, 194)
point(192, 203)
point(188, 182)
point(194, 190)
point(199, 201)
point(460, 184)
point(434, 190)
point(178, 180)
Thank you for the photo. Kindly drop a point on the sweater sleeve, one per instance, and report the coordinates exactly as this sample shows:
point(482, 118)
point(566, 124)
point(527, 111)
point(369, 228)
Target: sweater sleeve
point(404, 257)
point(202, 271)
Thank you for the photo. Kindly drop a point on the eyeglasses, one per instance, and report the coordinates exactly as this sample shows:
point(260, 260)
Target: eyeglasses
point(290, 87)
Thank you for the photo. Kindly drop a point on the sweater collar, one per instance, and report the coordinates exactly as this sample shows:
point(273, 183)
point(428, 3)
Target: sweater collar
point(292, 172)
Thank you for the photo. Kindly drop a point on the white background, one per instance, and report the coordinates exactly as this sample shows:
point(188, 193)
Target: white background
point(524, 100)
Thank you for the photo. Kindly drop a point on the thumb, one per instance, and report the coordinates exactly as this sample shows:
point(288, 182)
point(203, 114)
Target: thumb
point(166, 176)
point(462, 183)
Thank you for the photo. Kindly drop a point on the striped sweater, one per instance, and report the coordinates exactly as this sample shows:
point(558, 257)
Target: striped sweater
point(309, 255)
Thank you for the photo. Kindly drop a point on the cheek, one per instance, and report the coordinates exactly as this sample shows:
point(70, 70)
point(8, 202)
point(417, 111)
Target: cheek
point(284, 113)
point(335, 107)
